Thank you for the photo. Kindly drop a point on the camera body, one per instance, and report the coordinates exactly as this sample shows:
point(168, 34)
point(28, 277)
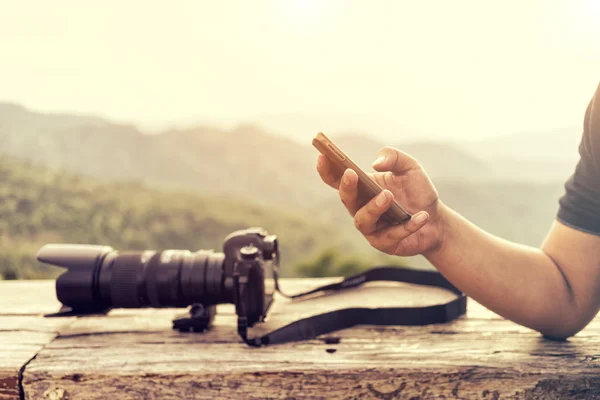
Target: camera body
point(99, 278)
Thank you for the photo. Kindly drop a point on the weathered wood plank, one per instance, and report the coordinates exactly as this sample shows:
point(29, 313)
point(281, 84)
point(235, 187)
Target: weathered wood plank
point(283, 312)
point(134, 354)
point(463, 365)
point(285, 382)
point(21, 338)
point(365, 345)
point(9, 385)
point(38, 297)
point(16, 349)
point(27, 298)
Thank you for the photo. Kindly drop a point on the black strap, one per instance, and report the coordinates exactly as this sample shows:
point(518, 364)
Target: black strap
point(309, 328)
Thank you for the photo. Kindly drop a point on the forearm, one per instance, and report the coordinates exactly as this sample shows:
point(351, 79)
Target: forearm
point(518, 282)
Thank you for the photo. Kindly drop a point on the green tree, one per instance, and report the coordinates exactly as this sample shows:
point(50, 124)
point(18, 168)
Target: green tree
point(332, 262)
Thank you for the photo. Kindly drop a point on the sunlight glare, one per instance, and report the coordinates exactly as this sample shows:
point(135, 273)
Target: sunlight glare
point(306, 17)
point(306, 9)
point(303, 19)
point(590, 15)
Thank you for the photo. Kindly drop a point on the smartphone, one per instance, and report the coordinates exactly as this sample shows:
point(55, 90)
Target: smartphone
point(367, 187)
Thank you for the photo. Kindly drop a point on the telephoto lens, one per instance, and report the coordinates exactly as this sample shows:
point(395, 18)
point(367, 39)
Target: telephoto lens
point(99, 278)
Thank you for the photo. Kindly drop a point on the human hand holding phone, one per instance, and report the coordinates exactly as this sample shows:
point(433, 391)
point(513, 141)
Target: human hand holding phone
point(403, 180)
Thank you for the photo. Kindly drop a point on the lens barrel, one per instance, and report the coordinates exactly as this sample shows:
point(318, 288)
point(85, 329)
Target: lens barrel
point(172, 278)
point(99, 277)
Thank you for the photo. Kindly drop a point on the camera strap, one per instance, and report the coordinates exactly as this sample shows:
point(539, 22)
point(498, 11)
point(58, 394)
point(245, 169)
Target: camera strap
point(312, 327)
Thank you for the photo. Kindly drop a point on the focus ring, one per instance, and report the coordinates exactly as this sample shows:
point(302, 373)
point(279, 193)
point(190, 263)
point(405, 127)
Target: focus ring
point(124, 281)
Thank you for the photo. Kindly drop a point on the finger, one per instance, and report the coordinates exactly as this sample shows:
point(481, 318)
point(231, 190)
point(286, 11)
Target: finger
point(388, 239)
point(349, 191)
point(329, 173)
point(366, 218)
point(396, 161)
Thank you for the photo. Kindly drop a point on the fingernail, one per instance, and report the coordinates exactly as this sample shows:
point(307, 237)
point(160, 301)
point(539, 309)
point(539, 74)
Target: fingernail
point(382, 198)
point(420, 217)
point(380, 160)
point(345, 179)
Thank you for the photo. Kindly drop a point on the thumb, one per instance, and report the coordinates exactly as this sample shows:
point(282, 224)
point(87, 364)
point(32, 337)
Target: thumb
point(395, 161)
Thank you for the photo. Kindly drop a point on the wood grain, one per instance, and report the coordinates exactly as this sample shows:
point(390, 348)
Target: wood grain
point(21, 338)
point(134, 354)
point(27, 298)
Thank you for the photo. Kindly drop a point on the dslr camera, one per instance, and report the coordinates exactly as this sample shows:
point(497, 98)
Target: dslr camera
point(99, 278)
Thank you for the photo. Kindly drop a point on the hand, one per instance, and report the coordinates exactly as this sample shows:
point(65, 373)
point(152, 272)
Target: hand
point(403, 179)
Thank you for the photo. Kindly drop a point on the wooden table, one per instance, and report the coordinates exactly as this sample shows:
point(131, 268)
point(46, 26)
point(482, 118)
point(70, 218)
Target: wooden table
point(134, 354)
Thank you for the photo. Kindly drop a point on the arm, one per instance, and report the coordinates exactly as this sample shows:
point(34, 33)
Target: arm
point(554, 290)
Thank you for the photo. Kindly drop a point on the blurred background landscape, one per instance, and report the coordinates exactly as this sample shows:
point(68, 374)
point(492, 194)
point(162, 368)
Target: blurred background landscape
point(171, 125)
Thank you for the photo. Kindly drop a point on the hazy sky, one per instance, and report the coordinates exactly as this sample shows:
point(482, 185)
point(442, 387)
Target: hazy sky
point(458, 69)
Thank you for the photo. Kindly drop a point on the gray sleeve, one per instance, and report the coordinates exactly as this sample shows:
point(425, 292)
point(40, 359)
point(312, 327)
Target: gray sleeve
point(580, 205)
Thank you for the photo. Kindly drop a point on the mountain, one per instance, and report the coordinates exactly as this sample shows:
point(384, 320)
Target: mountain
point(514, 197)
point(41, 205)
point(550, 145)
point(442, 160)
point(545, 156)
point(542, 156)
point(245, 162)
point(539, 157)
point(301, 127)
point(15, 116)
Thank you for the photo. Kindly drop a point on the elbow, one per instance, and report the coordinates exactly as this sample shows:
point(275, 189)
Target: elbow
point(564, 329)
point(559, 335)
point(565, 320)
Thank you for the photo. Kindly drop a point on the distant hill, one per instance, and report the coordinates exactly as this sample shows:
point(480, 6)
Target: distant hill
point(551, 145)
point(264, 165)
point(38, 206)
point(530, 156)
point(16, 117)
point(497, 183)
point(443, 161)
point(541, 156)
point(301, 127)
point(246, 162)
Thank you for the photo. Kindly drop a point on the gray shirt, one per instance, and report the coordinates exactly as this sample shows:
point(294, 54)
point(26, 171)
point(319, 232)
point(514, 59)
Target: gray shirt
point(580, 205)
